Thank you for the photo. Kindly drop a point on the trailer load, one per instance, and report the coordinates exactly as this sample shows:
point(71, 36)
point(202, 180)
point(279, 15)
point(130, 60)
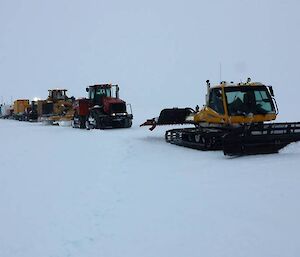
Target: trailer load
point(20, 107)
point(6, 111)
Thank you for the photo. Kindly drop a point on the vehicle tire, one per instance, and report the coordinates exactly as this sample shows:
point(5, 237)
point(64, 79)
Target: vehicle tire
point(101, 123)
point(82, 120)
point(89, 122)
point(197, 138)
point(209, 142)
point(127, 123)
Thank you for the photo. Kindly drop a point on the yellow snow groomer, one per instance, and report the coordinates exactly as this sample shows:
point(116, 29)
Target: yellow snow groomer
point(236, 119)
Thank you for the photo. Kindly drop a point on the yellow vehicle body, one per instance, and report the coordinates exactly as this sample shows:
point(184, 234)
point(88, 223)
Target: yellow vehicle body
point(209, 115)
point(40, 107)
point(21, 105)
point(62, 111)
point(57, 107)
point(235, 118)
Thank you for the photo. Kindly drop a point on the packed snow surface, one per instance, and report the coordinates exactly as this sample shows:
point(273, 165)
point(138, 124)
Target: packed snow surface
point(125, 192)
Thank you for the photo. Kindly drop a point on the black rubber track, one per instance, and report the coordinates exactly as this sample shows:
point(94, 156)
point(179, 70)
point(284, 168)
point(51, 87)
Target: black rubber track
point(244, 140)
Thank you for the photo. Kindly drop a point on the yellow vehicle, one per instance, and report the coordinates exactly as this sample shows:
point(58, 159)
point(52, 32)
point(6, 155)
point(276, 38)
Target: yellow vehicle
point(20, 107)
point(57, 108)
point(236, 119)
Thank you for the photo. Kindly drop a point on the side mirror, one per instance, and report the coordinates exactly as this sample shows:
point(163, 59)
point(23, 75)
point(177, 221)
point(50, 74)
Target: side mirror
point(87, 89)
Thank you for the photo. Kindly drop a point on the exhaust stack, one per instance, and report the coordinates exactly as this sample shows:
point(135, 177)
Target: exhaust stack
point(208, 89)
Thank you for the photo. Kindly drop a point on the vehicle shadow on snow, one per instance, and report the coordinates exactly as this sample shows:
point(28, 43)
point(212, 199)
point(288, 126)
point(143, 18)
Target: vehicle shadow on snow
point(290, 151)
point(185, 152)
point(152, 139)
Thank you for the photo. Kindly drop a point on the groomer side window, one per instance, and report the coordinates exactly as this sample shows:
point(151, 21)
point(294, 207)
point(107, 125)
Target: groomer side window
point(216, 100)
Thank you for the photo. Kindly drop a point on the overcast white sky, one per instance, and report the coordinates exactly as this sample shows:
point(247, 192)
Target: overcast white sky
point(160, 52)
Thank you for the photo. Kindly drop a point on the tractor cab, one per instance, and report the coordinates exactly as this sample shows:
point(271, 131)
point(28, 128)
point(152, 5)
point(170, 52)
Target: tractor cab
point(252, 99)
point(238, 103)
point(57, 94)
point(241, 100)
point(97, 93)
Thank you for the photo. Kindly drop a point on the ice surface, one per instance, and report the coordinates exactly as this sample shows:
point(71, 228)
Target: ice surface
point(125, 192)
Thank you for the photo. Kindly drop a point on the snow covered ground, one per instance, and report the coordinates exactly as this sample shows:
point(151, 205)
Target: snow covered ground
point(115, 193)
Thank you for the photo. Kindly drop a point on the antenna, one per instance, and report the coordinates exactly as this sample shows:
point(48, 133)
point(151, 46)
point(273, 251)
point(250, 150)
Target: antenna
point(220, 71)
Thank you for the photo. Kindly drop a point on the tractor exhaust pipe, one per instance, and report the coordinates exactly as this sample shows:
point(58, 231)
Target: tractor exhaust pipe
point(208, 89)
point(117, 91)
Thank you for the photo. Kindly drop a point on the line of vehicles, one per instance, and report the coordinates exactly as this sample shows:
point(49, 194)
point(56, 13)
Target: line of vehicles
point(101, 109)
point(236, 118)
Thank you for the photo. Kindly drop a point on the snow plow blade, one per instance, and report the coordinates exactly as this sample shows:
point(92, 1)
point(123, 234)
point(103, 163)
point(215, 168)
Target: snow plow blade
point(171, 116)
point(260, 138)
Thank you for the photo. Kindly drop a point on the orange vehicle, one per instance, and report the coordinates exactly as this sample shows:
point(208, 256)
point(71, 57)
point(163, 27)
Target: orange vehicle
point(20, 108)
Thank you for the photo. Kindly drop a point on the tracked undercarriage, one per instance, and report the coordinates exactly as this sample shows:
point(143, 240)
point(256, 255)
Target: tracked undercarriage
point(235, 119)
point(244, 140)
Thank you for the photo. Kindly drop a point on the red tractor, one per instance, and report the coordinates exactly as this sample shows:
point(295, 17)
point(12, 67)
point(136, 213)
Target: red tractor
point(102, 109)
